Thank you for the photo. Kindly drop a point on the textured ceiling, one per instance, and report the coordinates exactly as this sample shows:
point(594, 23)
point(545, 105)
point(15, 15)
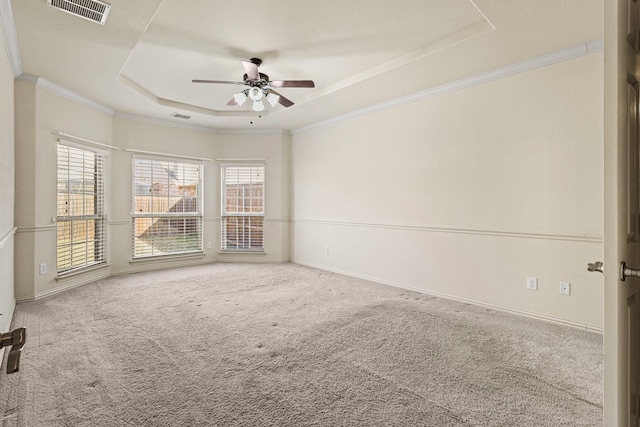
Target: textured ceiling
point(359, 53)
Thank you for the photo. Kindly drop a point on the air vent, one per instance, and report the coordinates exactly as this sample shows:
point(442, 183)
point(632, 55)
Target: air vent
point(180, 116)
point(93, 10)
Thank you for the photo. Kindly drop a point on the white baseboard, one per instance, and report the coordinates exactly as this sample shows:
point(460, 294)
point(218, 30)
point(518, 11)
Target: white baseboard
point(64, 288)
point(512, 310)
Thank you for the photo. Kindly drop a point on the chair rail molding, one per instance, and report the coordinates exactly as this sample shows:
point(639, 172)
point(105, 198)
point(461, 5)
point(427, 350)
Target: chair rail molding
point(457, 230)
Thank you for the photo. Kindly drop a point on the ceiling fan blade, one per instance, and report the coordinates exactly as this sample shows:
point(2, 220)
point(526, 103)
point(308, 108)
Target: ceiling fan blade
point(251, 69)
point(292, 83)
point(282, 100)
point(232, 102)
point(217, 81)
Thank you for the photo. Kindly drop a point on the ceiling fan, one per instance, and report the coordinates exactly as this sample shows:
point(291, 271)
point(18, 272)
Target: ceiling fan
point(260, 87)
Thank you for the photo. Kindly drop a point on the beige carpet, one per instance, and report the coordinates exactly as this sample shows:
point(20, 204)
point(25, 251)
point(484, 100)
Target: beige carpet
point(284, 345)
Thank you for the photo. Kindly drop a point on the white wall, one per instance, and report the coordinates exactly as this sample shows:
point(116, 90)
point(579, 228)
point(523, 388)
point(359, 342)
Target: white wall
point(147, 136)
point(163, 138)
point(41, 110)
point(275, 150)
point(465, 194)
point(7, 168)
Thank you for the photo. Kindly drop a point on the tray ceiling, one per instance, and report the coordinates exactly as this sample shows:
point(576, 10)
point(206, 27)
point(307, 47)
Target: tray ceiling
point(359, 53)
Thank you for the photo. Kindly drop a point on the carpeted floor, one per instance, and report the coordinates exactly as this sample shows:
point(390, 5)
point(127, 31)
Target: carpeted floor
point(285, 345)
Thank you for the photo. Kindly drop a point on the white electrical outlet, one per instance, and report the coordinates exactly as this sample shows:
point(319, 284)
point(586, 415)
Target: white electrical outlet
point(565, 288)
point(43, 268)
point(532, 283)
point(326, 250)
point(208, 245)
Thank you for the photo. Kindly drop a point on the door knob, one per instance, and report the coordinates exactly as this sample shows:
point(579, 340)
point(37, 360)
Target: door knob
point(596, 266)
point(627, 272)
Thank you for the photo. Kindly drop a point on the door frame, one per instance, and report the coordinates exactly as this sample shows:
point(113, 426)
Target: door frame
point(617, 60)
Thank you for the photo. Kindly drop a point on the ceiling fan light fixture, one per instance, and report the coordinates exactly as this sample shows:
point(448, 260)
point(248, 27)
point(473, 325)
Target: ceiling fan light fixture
point(273, 98)
point(259, 86)
point(255, 93)
point(240, 97)
point(258, 105)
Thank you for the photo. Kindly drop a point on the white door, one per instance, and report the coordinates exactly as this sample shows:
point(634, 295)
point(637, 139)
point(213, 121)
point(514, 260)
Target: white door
point(621, 216)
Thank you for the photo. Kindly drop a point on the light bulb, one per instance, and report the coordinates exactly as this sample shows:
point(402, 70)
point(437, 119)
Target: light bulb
point(240, 98)
point(272, 98)
point(258, 105)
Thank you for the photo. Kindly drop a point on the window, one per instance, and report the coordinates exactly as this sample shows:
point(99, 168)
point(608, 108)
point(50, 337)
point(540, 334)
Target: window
point(80, 209)
point(167, 207)
point(242, 207)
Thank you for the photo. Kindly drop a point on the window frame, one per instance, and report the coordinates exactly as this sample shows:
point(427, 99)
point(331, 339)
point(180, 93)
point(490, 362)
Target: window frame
point(99, 217)
point(224, 165)
point(198, 215)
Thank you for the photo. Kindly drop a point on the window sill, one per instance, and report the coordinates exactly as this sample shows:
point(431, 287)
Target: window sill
point(167, 257)
point(261, 253)
point(64, 276)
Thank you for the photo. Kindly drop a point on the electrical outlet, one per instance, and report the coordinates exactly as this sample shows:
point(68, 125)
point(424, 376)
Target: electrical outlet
point(208, 245)
point(565, 288)
point(532, 283)
point(326, 250)
point(43, 268)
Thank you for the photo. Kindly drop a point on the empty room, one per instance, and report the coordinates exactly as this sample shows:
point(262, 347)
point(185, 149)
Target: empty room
point(289, 213)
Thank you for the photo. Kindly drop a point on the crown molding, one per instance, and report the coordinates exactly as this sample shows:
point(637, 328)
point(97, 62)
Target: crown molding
point(187, 126)
point(254, 132)
point(64, 92)
point(8, 28)
point(11, 40)
point(163, 122)
point(570, 53)
point(28, 78)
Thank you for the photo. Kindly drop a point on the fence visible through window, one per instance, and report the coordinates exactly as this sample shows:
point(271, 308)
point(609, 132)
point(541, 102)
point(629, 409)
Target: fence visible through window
point(80, 212)
point(242, 207)
point(167, 207)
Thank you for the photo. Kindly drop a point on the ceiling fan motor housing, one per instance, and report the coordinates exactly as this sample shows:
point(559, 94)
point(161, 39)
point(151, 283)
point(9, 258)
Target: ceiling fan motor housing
point(264, 79)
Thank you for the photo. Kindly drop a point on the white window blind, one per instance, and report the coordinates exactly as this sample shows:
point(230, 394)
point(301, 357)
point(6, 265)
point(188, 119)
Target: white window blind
point(80, 209)
point(167, 207)
point(242, 207)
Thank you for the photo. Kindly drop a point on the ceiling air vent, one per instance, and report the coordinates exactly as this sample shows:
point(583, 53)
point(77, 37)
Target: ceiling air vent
point(93, 10)
point(180, 116)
